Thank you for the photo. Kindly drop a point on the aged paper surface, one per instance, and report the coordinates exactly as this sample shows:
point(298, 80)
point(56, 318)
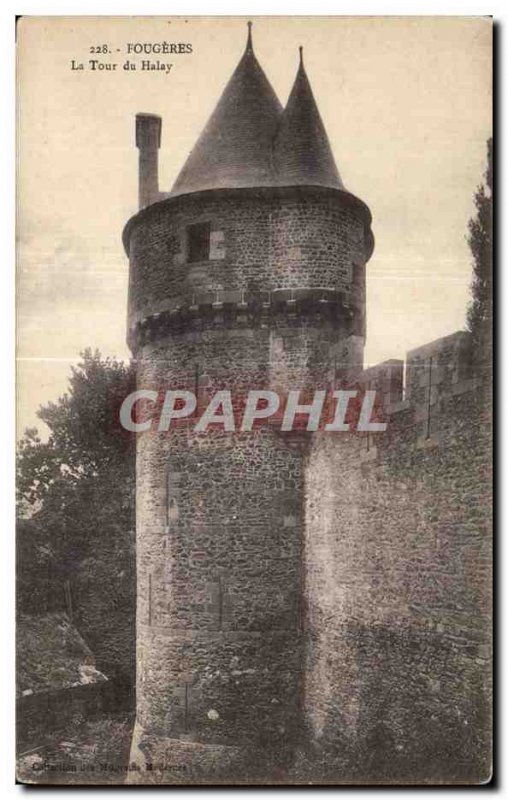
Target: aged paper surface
point(254, 536)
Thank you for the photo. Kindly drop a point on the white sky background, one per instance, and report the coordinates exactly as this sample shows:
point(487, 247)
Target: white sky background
point(407, 106)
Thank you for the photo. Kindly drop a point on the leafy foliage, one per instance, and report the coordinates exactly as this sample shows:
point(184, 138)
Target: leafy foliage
point(86, 439)
point(76, 502)
point(480, 311)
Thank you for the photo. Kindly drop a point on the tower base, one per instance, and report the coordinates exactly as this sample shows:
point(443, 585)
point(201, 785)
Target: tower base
point(158, 760)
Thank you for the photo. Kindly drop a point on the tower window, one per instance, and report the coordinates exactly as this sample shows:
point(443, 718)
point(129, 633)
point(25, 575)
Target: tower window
point(217, 246)
point(198, 242)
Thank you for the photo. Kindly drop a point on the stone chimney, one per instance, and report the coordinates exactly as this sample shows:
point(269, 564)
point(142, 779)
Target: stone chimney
point(148, 139)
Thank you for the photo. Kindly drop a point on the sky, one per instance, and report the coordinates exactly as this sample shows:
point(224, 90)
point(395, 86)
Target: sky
point(406, 102)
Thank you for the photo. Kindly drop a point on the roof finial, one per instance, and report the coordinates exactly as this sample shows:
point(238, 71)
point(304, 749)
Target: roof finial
point(249, 37)
point(301, 55)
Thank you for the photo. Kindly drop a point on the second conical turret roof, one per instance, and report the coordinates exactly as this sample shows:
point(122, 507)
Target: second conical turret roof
point(302, 154)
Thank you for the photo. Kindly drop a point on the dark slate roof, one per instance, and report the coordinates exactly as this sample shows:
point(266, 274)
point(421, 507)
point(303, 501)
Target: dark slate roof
point(302, 152)
point(235, 148)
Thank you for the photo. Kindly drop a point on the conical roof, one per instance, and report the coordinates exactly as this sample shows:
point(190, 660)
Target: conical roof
point(235, 148)
point(302, 152)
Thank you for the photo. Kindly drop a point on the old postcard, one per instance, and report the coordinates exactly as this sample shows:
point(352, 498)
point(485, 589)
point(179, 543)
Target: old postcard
point(254, 327)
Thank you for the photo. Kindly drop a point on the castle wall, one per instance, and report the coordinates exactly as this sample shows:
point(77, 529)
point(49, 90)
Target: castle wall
point(397, 590)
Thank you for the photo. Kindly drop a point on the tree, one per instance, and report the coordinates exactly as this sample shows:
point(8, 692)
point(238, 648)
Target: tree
point(86, 438)
point(480, 310)
point(76, 503)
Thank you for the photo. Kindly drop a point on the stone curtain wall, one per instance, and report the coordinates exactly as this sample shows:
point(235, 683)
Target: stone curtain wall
point(398, 580)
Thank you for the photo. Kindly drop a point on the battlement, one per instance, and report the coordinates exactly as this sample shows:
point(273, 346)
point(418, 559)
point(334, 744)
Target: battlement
point(387, 379)
point(237, 308)
point(442, 365)
point(432, 374)
point(439, 368)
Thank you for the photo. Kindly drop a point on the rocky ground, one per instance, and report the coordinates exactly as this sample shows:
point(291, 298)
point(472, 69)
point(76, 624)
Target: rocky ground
point(94, 752)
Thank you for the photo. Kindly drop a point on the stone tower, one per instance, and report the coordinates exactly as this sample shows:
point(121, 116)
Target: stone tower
point(249, 274)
